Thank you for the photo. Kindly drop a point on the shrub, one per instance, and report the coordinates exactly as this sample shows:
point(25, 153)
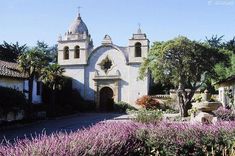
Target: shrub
point(225, 114)
point(68, 100)
point(185, 139)
point(171, 103)
point(87, 106)
point(148, 102)
point(123, 107)
point(148, 116)
point(131, 138)
point(11, 100)
point(101, 139)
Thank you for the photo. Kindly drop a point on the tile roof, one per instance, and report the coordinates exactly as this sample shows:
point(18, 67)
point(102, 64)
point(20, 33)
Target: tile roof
point(10, 69)
point(227, 80)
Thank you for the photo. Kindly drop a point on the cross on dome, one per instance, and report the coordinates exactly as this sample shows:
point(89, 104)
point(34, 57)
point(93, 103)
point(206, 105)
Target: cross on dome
point(139, 30)
point(79, 9)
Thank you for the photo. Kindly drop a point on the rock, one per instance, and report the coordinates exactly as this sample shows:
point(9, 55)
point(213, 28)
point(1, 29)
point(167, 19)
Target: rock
point(204, 117)
point(19, 115)
point(11, 116)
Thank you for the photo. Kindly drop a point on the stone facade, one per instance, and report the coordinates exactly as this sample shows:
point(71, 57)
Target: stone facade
point(107, 65)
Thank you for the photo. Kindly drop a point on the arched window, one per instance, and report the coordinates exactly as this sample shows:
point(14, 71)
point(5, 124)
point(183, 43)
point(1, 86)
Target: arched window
point(66, 53)
point(76, 52)
point(138, 49)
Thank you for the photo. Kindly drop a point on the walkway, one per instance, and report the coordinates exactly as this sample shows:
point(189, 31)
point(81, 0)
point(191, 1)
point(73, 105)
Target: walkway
point(68, 124)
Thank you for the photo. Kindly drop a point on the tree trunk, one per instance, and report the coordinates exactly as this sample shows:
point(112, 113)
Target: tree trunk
point(52, 103)
point(30, 98)
point(30, 93)
point(184, 100)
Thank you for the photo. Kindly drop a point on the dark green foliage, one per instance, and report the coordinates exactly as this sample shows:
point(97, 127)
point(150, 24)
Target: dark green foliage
point(215, 41)
point(148, 116)
point(11, 100)
point(10, 52)
point(123, 107)
point(160, 88)
point(31, 62)
point(51, 52)
point(70, 101)
point(184, 63)
point(52, 76)
point(226, 67)
point(67, 100)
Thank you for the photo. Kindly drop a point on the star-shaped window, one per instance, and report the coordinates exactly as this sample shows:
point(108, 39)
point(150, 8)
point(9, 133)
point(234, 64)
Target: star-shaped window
point(106, 64)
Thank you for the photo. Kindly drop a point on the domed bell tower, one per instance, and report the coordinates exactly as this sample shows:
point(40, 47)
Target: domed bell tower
point(74, 47)
point(138, 47)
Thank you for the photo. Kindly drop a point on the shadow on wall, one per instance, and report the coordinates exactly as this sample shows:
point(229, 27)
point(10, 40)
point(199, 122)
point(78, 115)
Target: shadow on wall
point(67, 100)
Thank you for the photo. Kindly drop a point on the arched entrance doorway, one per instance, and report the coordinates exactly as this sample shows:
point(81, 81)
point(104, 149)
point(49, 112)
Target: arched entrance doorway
point(106, 99)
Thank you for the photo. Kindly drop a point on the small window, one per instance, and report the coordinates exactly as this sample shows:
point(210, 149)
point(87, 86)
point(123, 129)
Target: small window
point(38, 88)
point(76, 52)
point(138, 49)
point(66, 53)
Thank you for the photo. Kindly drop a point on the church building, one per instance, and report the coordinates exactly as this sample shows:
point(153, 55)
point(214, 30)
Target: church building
point(107, 73)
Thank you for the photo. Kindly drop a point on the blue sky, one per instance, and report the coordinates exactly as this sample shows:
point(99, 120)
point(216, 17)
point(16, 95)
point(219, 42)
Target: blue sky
point(27, 21)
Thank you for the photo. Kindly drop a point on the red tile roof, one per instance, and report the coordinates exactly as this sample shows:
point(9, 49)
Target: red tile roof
point(10, 69)
point(227, 80)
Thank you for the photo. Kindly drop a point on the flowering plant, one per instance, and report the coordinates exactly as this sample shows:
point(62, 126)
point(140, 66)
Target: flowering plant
point(148, 102)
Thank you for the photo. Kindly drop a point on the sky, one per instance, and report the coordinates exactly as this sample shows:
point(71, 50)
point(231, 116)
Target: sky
point(27, 21)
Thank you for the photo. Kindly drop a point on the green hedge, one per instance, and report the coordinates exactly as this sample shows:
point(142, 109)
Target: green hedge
point(123, 107)
point(11, 100)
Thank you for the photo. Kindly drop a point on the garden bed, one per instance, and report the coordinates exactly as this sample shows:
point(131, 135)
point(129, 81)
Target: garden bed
point(132, 138)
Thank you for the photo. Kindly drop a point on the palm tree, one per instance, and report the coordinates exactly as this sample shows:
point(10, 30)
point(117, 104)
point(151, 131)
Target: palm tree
point(31, 62)
point(52, 76)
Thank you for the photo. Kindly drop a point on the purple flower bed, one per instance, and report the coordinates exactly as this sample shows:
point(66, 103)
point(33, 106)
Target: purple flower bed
point(101, 139)
point(185, 139)
point(225, 114)
point(131, 138)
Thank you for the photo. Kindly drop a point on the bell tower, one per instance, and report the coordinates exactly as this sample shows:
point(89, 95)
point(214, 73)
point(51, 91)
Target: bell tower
point(138, 47)
point(75, 46)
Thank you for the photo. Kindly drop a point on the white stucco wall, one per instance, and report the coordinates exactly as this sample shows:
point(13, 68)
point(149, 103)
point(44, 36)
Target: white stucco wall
point(222, 94)
point(137, 88)
point(73, 61)
point(36, 99)
point(17, 84)
point(129, 88)
point(77, 74)
point(21, 85)
point(222, 98)
point(144, 50)
point(122, 77)
point(119, 65)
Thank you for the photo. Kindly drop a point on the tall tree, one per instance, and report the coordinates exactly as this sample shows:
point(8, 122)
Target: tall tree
point(215, 41)
point(51, 52)
point(230, 45)
point(31, 62)
point(10, 52)
point(227, 67)
point(184, 63)
point(53, 78)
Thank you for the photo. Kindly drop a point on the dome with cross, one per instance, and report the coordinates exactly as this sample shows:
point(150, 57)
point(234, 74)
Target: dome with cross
point(78, 26)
